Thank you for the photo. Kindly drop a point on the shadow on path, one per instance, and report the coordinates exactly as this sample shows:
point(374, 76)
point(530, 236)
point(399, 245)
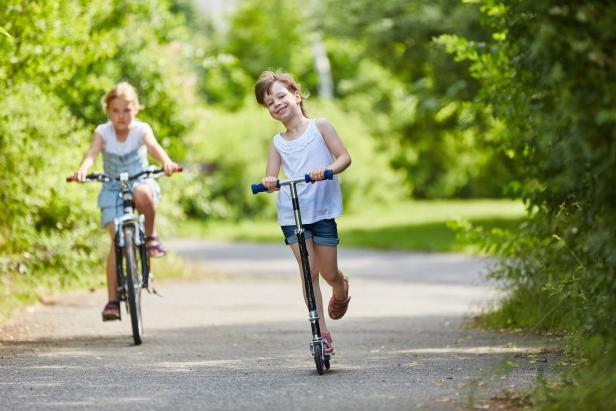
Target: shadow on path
point(427, 362)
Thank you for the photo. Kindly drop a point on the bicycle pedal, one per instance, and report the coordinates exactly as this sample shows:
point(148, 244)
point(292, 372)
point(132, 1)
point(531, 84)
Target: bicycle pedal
point(152, 290)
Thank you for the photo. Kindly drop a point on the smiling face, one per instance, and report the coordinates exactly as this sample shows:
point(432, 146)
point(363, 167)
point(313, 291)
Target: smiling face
point(121, 113)
point(281, 103)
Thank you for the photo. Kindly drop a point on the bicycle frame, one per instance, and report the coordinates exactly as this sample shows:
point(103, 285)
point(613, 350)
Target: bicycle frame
point(129, 218)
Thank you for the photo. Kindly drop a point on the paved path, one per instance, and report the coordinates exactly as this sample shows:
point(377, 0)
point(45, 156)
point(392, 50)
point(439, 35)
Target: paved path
point(239, 341)
point(268, 259)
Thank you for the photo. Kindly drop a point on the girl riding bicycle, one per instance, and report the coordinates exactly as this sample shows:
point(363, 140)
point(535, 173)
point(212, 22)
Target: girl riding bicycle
point(314, 146)
point(125, 143)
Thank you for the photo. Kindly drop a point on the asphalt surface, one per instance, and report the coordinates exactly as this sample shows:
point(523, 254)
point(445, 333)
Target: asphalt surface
point(237, 339)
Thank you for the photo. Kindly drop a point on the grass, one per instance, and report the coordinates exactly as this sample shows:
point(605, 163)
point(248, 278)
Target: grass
point(18, 290)
point(409, 225)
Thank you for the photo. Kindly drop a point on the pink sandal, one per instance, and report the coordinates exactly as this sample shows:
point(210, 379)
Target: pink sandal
point(111, 311)
point(336, 309)
point(154, 246)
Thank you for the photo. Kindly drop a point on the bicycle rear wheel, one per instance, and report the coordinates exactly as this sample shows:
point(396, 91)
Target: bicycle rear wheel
point(133, 284)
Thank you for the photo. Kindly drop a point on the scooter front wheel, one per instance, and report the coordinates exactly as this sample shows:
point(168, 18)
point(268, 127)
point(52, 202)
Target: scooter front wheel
point(318, 361)
point(318, 356)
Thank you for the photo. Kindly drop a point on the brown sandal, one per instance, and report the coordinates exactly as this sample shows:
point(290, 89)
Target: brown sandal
point(336, 309)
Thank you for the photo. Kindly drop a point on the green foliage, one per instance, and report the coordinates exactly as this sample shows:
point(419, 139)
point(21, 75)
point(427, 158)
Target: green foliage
point(270, 35)
point(590, 385)
point(415, 99)
point(261, 35)
point(548, 75)
point(44, 226)
point(225, 83)
point(57, 61)
point(446, 145)
point(562, 138)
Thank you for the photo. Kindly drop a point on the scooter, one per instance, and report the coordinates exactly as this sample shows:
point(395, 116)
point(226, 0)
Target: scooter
point(317, 349)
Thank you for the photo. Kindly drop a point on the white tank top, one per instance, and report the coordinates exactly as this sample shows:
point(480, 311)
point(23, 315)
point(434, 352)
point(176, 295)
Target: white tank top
point(134, 141)
point(318, 201)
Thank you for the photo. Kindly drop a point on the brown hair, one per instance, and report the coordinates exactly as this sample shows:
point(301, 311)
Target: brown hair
point(267, 79)
point(125, 91)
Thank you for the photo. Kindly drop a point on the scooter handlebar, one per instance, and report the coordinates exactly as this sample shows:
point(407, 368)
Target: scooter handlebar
point(260, 188)
point(329, 175)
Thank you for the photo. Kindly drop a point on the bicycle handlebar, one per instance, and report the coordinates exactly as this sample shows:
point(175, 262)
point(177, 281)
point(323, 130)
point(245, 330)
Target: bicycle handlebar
point(103, 178)
point(260, 188)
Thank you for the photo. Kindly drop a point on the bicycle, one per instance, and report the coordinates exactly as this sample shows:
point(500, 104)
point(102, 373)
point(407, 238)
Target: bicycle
point(321, 358)
point(129, 237)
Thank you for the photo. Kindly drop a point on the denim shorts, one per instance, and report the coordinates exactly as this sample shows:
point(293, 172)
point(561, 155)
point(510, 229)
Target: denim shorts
point(110, 203)
point(323, 232)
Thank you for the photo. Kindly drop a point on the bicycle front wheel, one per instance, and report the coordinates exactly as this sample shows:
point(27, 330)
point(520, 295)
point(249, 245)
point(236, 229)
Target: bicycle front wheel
point(133, 284)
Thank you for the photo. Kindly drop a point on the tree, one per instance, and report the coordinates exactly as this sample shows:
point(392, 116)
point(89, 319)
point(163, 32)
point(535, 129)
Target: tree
point(430, 110)
point(550, 76)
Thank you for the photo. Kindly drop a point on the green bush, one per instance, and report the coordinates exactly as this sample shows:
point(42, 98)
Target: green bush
point(549, 77)
point(47, 225)
point(414, 96)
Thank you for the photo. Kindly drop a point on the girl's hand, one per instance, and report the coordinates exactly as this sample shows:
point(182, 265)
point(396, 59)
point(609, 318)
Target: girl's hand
point(80, 175)
point(317, 174)
point(170, 167)
point(270, 183)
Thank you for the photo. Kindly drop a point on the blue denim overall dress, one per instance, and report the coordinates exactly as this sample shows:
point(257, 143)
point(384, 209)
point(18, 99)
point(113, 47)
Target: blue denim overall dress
point(109, 200)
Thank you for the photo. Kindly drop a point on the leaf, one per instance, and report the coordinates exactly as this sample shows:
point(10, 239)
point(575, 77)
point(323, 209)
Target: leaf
point(6, 33)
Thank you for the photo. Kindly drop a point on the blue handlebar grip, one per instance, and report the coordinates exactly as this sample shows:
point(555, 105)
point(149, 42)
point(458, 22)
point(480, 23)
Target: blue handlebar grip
point(329, 175)
point(258, 188)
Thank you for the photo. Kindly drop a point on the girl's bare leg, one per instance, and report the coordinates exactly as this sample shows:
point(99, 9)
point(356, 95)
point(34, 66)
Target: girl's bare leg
point(314, 273)
point(112, 278)
point(327, 261)
point(144, 201)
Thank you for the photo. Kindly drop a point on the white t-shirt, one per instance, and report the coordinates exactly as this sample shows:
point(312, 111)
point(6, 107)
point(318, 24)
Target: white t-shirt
point(318, 201)
point(134, 141)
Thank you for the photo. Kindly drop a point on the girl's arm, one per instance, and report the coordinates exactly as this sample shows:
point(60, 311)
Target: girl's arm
point(336, 147)
point(158, 153)
point(95, 147)
point(272, 170)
